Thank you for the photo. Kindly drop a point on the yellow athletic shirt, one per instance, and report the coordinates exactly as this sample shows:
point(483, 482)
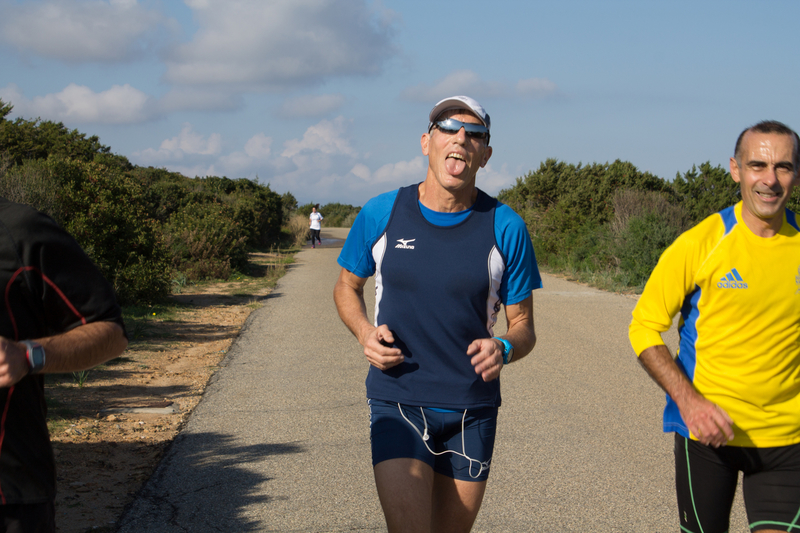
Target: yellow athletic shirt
point(739, 299)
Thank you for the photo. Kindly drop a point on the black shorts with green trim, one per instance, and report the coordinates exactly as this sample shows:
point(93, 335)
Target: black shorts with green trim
point(706, 479)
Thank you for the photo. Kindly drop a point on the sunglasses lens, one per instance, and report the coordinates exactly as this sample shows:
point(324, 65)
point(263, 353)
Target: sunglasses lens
point(449, 126)
point(452, 126)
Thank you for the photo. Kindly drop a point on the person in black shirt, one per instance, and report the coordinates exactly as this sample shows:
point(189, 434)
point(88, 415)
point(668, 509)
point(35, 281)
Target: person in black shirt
point(58, 315)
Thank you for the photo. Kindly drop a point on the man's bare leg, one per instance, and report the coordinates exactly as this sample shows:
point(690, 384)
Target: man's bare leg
point(405, 488)
point(455, 504)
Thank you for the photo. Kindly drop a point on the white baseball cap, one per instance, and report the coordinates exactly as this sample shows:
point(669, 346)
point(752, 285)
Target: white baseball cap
point(460, 102)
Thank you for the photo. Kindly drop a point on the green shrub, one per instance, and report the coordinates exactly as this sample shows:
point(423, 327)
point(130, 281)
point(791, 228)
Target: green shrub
point(640, 245)
point(164, 192)
point(645, 224)
point(259, 210)
point(581, 192)
point(349, 220)
point(32, 183)
point(204, 241)
point(630, 203)
point(794, 201)
point(563, 203)
point(592, 219)
point(288, 205)
point(102, 209)
point(590, 248)
point(706, 190)
point(22, 140)
point(256, 208)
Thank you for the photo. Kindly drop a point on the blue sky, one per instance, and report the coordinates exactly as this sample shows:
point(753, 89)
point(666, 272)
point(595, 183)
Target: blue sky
point(328, 98)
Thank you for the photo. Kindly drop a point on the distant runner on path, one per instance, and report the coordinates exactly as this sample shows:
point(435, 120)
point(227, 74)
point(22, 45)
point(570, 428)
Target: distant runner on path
point(433, 387)
point(314, 223)
point(734, 392)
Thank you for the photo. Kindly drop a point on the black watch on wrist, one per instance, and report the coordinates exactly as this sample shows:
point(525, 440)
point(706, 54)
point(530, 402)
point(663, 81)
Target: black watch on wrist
point(35, 354)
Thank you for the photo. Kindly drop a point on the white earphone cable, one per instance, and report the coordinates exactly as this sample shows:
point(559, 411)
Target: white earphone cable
point(484, 465)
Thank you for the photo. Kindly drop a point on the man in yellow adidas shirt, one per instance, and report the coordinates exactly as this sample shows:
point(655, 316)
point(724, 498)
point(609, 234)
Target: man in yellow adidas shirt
point(733, 393)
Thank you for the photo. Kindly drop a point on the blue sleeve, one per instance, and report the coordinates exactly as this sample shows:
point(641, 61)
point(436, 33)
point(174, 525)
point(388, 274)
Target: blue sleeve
point(522, 272)
point(356, 255)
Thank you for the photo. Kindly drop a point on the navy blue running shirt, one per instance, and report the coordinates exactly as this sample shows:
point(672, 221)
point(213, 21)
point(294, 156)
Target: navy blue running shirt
point(438, 288)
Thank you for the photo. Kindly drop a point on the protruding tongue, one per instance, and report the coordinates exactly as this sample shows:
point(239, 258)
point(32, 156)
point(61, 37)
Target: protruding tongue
point(454, 166)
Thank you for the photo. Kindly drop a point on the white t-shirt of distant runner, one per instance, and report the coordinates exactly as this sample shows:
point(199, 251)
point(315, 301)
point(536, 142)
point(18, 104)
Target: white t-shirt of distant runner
point(315, 218)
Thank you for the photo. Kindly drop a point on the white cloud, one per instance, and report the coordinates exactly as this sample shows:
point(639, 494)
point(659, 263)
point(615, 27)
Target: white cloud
point(311, 106)
point(327, 137)
point(361, 171)
point(335, 185)
point(354, 187)
point(83, 30)
point(401, 173)
point(121, 104)
point(255, 45)
point(536, 88)
point(469, 83)
point(258, 146)
point(194, 154)
point(492, 181)
point(255, 156)
point(187, 143)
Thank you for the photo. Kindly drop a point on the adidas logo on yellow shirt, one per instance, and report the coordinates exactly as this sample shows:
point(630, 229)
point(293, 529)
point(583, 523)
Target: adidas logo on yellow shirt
point(732, 280)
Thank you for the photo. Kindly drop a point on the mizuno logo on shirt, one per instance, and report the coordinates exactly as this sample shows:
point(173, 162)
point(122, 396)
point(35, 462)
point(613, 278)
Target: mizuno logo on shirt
point(404, 244)
point(732, 280)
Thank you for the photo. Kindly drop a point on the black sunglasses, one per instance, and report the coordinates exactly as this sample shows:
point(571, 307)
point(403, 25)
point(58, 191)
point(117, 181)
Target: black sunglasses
point(453, 126)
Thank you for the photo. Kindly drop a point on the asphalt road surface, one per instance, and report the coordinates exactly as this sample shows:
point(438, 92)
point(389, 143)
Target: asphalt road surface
point(280, 440)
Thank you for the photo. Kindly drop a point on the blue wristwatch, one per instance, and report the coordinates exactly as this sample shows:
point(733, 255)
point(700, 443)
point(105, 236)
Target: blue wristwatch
point(35, 355)
point(508, 350)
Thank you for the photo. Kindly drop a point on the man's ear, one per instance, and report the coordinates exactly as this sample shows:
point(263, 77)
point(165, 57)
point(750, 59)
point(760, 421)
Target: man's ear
point(425, 143)
point(486, 155)
point(734, 169)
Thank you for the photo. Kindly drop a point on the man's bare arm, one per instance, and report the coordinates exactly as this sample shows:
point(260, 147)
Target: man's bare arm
point(706, 420)
point(487, 354)
point(81, 348)
point(348, 294)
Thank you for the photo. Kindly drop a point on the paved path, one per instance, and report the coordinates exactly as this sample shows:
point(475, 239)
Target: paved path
point(280, 440)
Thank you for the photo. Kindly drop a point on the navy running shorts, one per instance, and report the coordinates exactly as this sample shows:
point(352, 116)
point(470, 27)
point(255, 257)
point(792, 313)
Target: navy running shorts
point(706, 479)
point(457, 444)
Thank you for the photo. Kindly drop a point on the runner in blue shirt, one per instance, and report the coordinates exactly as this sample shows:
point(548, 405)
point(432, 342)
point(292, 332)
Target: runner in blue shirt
point(445, 257)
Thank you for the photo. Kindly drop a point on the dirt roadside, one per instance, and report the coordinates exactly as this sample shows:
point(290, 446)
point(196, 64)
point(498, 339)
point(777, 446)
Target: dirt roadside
point(109, 432)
